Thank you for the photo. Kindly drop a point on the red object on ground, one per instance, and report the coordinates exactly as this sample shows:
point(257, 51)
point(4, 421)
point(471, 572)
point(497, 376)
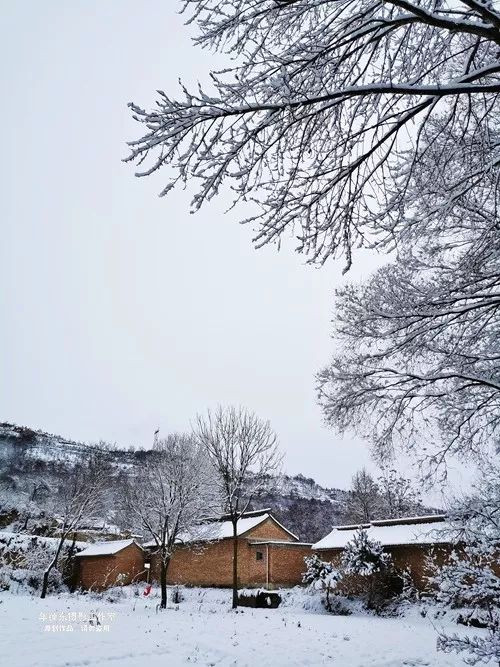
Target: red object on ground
point(147, 590)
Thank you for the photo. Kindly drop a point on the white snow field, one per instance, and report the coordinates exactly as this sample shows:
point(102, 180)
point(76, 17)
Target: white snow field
point(202, 630)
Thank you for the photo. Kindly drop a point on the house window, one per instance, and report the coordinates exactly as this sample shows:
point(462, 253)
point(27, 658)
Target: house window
point(259, 555)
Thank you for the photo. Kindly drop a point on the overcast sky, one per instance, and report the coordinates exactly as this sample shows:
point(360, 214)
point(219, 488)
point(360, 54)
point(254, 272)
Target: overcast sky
point(121, 311)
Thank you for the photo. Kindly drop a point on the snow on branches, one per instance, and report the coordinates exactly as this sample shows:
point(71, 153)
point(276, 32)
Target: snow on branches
point(471, 578)
point(325, 110)
point(320, 571)
point(418, 345)
point(243, 451)
point(174, 493)
point(321, 575)
point(361, 572)
point(364, 123)
point(364, 557)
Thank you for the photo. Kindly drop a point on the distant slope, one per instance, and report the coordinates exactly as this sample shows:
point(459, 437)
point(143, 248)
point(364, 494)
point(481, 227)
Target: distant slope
point(27, 456)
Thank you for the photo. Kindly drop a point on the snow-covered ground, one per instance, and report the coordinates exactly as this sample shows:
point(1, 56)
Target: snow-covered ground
point(203, 630)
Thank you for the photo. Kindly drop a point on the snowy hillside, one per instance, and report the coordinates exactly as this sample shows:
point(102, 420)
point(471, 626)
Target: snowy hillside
point(26, 455)
point(33, 462)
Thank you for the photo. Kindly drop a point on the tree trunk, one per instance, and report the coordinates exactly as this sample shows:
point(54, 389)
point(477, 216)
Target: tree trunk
point(235, 565)
point(163, 582)
point(45, 581)
point(69, 572)
point(52, 564)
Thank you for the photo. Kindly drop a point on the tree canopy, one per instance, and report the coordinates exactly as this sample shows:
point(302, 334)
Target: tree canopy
point(326, 111)
point(364, 123)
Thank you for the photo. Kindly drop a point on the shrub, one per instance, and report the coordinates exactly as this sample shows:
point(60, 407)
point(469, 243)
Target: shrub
point(321, 575)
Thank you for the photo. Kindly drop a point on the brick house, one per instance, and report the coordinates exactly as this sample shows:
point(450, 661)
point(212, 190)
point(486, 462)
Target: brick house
point(106, 564)
point(269, 555)
point(409, 541)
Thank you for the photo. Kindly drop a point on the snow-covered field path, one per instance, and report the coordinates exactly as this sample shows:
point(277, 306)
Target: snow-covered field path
point(203, 631)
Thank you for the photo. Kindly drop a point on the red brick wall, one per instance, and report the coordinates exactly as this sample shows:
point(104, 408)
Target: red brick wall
point(100, 572)
point(210, 563)
point(269, 530)
point(287, 564)
point(404, 557)
point(252, 572)
point(415, 559)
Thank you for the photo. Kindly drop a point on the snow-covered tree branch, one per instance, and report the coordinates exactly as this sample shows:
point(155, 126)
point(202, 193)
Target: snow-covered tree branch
point(243, 451)
point(471, 578)
point(323, 114)
point(370, 124)
point(417, 355)
point(79, 499)
point(173, 494)
point(364, 501)
point(321, 575)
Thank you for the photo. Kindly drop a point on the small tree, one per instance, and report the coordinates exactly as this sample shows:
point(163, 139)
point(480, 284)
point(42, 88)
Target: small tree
point(78, 500)
point(172, 494)
point(364, 498)
point(365, 558)
point(243, 451)
point(471, 578)
point(398, 497)
point(321, 575)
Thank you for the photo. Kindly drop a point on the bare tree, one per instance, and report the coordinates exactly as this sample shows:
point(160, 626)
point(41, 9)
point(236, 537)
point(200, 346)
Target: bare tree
point(78, 500)
point(173, 493)
point(364, 501)
point(322, 106)
point(398, 495)
point(243, 450)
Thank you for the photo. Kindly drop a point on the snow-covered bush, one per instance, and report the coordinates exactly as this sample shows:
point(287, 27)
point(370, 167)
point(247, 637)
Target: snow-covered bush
point(322, 576)
point(471, 577)
point(319, 570)
point(364, 557)
point(409, 591)
point(367, 570)
point(23, 580)
point(23, 560)
point(115, 594)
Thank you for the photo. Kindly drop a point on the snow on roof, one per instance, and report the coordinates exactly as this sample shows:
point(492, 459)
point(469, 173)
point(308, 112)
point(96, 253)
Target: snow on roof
point(105, 548)
point(426, 518)
point(217, 530)
point(220, 530)
point(392, 532)
point(223, 529)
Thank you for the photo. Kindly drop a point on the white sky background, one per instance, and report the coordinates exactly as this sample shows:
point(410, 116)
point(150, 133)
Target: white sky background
point(121, 312)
